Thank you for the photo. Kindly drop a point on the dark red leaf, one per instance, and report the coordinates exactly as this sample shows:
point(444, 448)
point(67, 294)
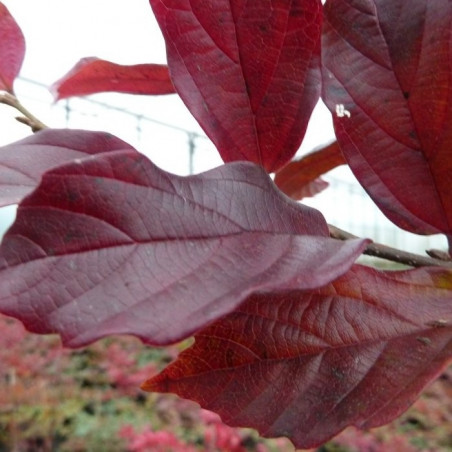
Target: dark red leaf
point(113, 245)
point(23, 163)
point(248, 71)
point(307, 364)
point(12, 49)
point(92, 75)
point(387, 79)
point(300, 178)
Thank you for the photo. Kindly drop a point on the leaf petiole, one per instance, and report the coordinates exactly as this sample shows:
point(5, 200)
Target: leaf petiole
point(392, 254)
point(28, 118)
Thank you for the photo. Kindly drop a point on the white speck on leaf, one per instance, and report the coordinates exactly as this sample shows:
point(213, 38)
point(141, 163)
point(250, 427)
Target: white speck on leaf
point(341, 111)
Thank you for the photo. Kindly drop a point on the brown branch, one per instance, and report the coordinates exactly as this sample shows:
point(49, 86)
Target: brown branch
point(391, 254)
point(28, 118)
point(439, 254)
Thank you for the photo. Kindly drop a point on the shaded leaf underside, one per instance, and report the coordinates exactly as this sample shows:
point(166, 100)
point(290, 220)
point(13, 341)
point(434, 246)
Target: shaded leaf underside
point(23, 163)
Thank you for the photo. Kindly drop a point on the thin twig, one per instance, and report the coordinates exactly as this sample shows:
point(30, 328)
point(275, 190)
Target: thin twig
point(439, 254)
point(28, 118)
point(391, 254)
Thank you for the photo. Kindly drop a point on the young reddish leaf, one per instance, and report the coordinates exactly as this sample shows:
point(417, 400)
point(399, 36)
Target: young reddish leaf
point(387, 80)
point(23, 163)
point(113, 245)
point(248, 71)
point(300, 178)
point(311, 189)
point(12, 49)
point(307, 364)
point(92, 75)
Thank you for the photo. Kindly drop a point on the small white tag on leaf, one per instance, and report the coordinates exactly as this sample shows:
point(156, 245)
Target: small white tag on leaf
point(341, 111)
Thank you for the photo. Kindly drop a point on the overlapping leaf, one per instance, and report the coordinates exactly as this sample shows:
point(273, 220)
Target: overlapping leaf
point(23, 163)
point(248, 71)
point(12, 49)
point(113, 245)
point(301, 178)
point(305, 364)
point(92, 75)
point(387, 77)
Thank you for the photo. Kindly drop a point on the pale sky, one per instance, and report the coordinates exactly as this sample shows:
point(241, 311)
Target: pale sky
point(59, 33)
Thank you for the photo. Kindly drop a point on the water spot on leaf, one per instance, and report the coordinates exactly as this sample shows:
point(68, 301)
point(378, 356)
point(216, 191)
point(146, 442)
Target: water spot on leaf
point(440, 323)
point(424, 340)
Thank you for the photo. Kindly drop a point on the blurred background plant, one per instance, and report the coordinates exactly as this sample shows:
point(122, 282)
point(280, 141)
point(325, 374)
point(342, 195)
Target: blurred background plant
point(54, 399)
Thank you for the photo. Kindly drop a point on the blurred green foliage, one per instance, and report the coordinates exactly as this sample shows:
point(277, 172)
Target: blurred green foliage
point(54, 399)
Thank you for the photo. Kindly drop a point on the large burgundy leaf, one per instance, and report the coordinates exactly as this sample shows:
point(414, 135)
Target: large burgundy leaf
point(23, 163)
point(248, 71)
point(300, 178)
point(307, 364)
point(92, 75)
point(387, 78)
point(113, 245)
point(12, 49)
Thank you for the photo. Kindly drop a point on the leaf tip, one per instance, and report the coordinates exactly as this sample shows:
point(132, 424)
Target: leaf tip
point(158, 383)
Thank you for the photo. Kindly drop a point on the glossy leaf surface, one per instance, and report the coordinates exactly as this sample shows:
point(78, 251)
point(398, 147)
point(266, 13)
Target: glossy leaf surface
point(23, 163)
point(247, 71)
point(307, 364)
point(113, 245)
point(12, 49)
point(300, 178)
point(92, 75)
point(387, 66)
